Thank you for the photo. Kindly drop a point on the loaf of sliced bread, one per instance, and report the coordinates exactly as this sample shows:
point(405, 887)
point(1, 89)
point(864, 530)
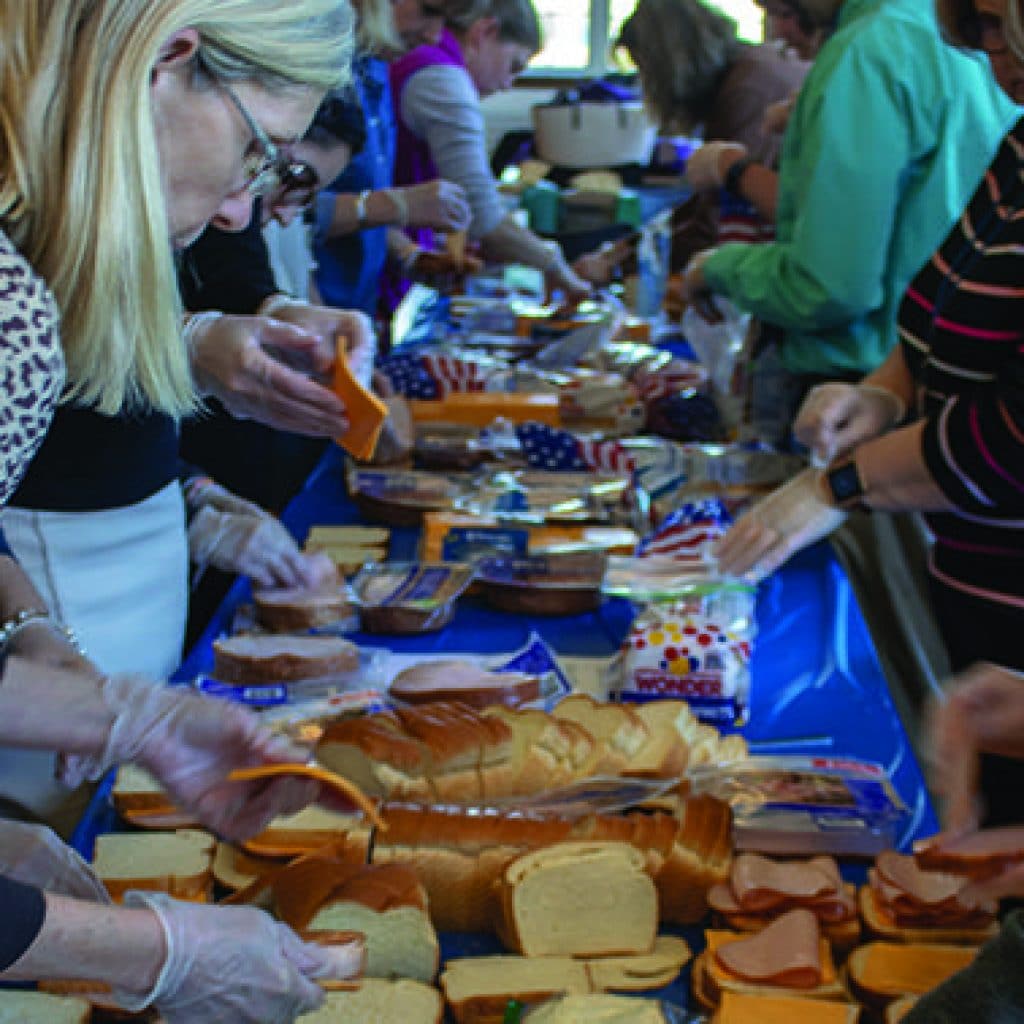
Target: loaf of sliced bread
point(178, 863)
point(579, 899)
point(401, 1002)
point(619, 730)
point(40, 1008)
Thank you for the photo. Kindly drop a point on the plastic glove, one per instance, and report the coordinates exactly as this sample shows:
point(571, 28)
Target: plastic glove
point(34, 854)
point(835, 418)
point(694, 290)
point(437, 204)
point(234, 965)
point(561, 276)
point(983, 713)
point(789, 519)
point(249, 364)
point(190, 744)
point(256, 545)
point(706, 169)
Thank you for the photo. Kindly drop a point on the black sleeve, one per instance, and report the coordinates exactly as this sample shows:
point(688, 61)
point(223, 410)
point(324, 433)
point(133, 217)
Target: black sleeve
point(24, 909)
point(227, 270)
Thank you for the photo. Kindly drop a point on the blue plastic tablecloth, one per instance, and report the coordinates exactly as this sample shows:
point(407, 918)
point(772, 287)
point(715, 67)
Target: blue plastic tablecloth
point(817, 684)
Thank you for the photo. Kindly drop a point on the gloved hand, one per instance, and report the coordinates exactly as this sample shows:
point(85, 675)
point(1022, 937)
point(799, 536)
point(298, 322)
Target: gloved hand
point(561, 276)
point(190, 744)
point(34, 854)
point(835, 418)
point(694, 290)
point(262, 369)
point(787, 520)
point(706, 169)
point(256, 545)
point(234, 965)
point(438, 204)
point(776, 115)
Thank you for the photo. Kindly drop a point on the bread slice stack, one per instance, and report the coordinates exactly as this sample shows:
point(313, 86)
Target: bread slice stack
point(478, 989)
point(349, 547)
point(401, 1002)
point(578, 899)
point(297, 609)
point(759, 889)
point(141, 801)
point(40, 1008)
point(178, 863)
point(386, 903)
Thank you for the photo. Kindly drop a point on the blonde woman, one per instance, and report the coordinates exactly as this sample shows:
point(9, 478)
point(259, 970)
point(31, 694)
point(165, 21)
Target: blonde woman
point(165, 115)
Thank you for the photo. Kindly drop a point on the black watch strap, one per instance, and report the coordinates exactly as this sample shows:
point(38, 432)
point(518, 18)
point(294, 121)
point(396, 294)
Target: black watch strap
point(731, 181)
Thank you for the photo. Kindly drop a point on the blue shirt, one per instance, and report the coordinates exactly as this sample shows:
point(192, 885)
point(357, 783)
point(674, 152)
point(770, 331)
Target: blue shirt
point(349, 268)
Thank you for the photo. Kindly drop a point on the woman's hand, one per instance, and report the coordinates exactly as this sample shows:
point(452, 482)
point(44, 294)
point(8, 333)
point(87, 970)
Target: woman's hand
point(835, 418)
point(789, 519)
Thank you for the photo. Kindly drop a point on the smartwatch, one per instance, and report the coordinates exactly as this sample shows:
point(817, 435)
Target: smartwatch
point(731, 181)
point(845, 486)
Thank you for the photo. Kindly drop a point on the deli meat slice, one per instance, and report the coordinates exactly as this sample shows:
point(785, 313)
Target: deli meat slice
point(787, 952)
point(980, 855)
point(929, 888)
point(760, 884)
point(720, 898)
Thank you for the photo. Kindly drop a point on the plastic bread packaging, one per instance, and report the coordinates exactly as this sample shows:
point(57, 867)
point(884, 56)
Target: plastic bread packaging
point(684, 650)
point(409, 597)
point(401, 497)
point(567, 584)
point(803, 805)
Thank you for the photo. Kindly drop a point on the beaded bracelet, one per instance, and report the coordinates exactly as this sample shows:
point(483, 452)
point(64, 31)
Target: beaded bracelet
point(27, 617)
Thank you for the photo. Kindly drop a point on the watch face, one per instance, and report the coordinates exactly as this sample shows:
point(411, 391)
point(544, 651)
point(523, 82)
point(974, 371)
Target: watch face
point(844, 482)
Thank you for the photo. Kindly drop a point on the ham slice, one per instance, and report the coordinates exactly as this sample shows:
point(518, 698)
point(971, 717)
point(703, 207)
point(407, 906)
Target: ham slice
point(786, 953)
point(761, 884)
point(980, 855)
point(929, 888)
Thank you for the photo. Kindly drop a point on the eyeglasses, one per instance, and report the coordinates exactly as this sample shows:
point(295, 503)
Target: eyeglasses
point(983, 31)
point(265, 165)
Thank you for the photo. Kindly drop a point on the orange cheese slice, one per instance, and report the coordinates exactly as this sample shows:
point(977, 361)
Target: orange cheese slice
point(482, 408)
point(366, 412)
point(332, 780)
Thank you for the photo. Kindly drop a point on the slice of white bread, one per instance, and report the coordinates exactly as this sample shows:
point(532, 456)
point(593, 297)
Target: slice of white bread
point(740, 1008)
point(579, 899)
point(597, 1009)
point(386, 1002)
point(141, 801)
point(618, 728)
point(479, 988)
point(543, 754)
point(309, 829)
point(880, 972)
point(178, 863)
point(400, 942)
point(642, 972)
point(234, 869)
point(255, 660)
point(896, 1011)
point(39, 1008)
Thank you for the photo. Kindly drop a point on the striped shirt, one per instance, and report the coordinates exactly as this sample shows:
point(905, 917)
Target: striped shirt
point(961, 325)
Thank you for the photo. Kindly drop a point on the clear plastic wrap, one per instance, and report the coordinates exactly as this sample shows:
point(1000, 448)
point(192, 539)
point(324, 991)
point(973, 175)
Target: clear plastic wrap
point(409, 597)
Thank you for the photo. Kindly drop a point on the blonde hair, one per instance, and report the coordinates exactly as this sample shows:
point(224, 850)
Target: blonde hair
point(80, 180)
point(376, 31)
point(517, 20)
point(955, 15)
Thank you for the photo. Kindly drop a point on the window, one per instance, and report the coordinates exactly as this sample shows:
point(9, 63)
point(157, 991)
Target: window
point(578, 33)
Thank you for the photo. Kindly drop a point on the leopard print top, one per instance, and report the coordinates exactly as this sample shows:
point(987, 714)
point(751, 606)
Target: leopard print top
point(32, 367)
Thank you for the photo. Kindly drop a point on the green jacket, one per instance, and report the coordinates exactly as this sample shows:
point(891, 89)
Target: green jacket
point(886, 144)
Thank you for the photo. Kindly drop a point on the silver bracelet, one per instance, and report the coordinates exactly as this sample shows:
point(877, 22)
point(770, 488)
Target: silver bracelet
point(27, 617)
point(400, 204)
point(361, 200)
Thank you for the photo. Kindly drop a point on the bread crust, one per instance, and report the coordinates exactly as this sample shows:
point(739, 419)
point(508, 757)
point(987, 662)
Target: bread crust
point(325, 656)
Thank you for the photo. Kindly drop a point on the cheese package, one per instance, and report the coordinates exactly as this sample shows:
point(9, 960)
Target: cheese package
point(481, 408)
point(366, 413)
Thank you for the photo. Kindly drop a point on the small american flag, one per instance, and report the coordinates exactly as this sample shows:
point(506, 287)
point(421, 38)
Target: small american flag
point(738, 221)
point(553, 449)
point(409, 377)
point(688, 533)
point(452, 373)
